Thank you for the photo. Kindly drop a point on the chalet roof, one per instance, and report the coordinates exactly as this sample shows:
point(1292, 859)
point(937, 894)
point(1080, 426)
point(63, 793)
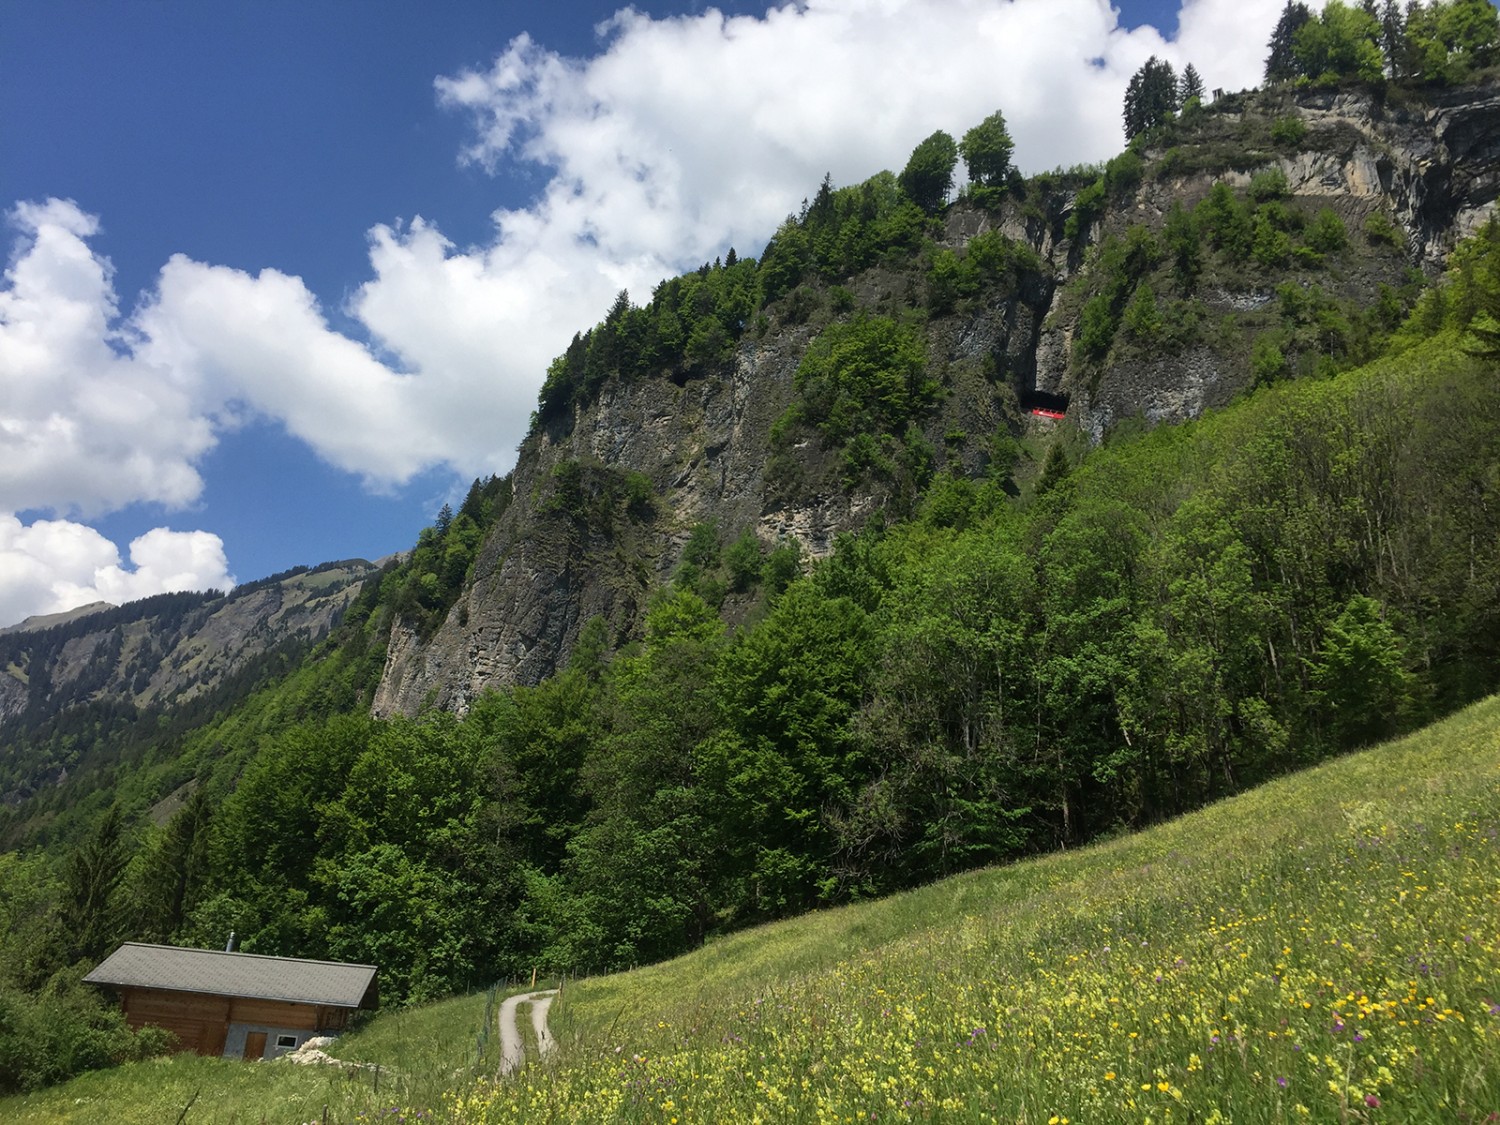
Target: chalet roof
point(332, 983)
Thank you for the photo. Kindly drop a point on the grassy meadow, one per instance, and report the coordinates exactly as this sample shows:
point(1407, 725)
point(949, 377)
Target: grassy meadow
point(423, 1054)
point(1324, 948)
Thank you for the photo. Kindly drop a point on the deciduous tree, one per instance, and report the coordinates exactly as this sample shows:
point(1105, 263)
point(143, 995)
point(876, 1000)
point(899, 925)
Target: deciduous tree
point(986, 150)
point(928, 175)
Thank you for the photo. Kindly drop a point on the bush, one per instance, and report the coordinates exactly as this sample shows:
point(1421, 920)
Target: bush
point(1087, 207)
point(866, 376)
point(1096, 328)
point(744, 562)
point(1326, 234)
point(1124, 172)
point(1288, 131)
point(1379, 229)
point(1269, 184)
point(64, 1031)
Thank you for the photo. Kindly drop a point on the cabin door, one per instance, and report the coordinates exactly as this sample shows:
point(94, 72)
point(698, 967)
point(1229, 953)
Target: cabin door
point(255, 1044)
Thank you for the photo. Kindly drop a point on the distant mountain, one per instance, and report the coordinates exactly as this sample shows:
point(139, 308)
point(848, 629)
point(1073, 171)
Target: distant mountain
point(47, 620)
point(72, 685)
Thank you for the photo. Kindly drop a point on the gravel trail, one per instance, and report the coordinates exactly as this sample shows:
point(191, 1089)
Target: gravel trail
point(512, 1052)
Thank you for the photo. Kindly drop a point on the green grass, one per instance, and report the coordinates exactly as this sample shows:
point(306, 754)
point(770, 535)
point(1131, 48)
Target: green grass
point(1324, 948)
point(421, 1052)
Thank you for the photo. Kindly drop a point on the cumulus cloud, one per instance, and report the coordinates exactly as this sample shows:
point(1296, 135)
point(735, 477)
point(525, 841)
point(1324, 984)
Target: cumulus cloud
point(55, 565)
point(83, 426)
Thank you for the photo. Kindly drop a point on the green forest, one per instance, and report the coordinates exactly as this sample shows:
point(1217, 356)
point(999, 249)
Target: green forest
point(1051, 650)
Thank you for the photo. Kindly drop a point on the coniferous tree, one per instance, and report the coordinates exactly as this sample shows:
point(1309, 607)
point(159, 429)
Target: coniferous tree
point(1151, 97)
point(94, 869)
point(1281, 62)
point(1190, 87)
point(1393, 38)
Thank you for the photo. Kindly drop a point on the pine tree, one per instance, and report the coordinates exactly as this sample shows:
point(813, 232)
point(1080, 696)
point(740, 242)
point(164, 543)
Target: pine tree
point(1190, 87)
point(91, 911)
point(1393, 38)
point(1281, 62)
point(1151, 97)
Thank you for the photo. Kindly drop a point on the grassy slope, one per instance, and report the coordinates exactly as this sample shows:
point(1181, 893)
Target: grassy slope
point(422, 1053)
point(1323, 948)
point(1327, 942)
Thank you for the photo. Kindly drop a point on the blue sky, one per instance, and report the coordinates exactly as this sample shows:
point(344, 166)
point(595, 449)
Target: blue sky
point(283, 277)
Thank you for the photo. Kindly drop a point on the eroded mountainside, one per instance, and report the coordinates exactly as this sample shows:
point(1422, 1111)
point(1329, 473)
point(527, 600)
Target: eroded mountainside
point(63, 685)
point(1270, 236)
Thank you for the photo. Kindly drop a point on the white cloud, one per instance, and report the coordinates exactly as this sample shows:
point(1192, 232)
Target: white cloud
point(54, 565)
point(83, 428)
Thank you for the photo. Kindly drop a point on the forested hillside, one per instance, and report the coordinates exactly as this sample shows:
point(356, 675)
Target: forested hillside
point(867, 561)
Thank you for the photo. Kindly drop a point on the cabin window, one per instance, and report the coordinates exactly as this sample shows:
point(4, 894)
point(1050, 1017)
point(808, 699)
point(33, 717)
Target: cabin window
point(286, 1041)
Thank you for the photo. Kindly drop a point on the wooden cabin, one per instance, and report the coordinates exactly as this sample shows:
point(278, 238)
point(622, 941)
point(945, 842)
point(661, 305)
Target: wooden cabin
point(235, 1005)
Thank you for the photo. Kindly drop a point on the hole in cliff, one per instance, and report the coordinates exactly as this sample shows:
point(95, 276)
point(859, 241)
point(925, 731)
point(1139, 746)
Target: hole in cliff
point(1044, 405)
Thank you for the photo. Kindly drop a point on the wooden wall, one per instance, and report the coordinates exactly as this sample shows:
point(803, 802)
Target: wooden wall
point(201, 1022)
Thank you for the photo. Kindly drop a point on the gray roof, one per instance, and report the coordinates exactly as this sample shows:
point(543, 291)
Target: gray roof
point(333, 983)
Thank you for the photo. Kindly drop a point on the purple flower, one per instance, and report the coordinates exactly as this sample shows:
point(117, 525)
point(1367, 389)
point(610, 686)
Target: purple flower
point(1281, 1082)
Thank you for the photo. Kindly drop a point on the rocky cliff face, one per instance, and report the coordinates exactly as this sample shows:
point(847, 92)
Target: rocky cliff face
point(168, 649)
point(1432, 167)
point(551, 564)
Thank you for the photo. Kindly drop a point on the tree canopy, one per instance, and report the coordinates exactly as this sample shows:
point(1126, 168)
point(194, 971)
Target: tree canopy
point(1151, 97)
point(1443, 41)
point(928, 176)
point(986, 149)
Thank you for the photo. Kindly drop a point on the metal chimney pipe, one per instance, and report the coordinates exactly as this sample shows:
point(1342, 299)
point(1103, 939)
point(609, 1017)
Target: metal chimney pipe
point(231, 943)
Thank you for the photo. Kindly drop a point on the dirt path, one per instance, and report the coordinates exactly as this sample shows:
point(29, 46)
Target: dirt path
point(512, 1053)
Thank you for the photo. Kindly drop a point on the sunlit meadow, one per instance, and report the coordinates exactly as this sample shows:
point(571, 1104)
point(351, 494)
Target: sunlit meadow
point(1326, 948)
point(1323, 949)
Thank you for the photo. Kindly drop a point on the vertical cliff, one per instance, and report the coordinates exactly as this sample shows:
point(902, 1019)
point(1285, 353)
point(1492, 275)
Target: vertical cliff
point(1345, 199)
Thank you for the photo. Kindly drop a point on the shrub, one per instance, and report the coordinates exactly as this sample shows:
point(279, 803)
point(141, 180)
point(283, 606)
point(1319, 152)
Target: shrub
point(1288, 131)
point(1326, 233)
point(1379, 229)
point(743, 561)
point(1087, 207)
point(1096, 328)
point(1268, 184)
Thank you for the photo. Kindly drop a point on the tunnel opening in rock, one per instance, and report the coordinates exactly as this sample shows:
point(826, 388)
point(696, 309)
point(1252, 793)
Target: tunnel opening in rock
point(1044, 405)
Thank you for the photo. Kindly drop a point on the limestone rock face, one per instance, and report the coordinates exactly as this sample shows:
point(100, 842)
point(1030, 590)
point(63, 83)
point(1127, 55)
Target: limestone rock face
point(543, 574)
point(162, 651)
point(1432, 168)
point(704, 445)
